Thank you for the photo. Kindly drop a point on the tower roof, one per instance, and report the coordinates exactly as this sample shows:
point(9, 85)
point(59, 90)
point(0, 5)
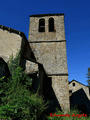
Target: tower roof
point(42, 15)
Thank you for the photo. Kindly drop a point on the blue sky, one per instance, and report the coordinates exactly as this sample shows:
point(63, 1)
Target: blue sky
point(15, 14)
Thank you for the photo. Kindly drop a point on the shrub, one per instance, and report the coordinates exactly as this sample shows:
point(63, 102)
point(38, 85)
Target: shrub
point(19, 103)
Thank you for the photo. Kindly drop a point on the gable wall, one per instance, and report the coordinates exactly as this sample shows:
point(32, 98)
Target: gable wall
point(77, 87)
point(10, 44)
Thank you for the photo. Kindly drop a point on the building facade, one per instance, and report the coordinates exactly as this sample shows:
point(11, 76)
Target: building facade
point(74, 86)
point(47, 41)
point(79, 96)
point(43, 55)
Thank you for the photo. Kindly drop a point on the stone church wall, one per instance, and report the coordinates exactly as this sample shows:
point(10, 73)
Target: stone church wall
point(49, 49)
point(10, 44)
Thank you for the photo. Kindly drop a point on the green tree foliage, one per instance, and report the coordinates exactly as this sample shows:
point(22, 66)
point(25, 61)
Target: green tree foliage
point(19, 103)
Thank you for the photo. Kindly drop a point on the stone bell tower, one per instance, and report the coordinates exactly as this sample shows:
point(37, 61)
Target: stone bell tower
point(47, 40)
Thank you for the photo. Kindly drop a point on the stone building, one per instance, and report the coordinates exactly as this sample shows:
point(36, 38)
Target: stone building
point(47, 41)
point(75, 86)
point(43, 56)
point(79, 96)
point(11, 42)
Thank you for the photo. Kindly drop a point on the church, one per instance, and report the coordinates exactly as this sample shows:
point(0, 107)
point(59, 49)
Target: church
point(43, 55)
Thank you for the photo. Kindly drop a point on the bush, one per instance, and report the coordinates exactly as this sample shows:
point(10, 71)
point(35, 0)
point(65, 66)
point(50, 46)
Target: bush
point(19, 103)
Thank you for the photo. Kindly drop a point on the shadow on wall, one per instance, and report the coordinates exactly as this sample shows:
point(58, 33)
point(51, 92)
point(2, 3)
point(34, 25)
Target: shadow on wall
point(46, 90)
point(4, 70)
point(80, 100)
point(26, 53)
point(41, 83)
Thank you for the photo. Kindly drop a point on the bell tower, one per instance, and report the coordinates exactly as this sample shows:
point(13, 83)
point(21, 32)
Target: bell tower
point(47, 40)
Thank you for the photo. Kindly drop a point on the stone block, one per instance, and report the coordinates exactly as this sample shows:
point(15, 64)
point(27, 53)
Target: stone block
point(31, 67)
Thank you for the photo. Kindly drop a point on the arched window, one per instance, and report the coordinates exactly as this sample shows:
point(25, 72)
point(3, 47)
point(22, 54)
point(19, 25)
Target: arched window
point(42, 25)
point(51, 25)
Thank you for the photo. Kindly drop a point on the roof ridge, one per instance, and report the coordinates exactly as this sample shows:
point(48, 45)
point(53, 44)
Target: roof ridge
point(11, 30)
point(78, 82)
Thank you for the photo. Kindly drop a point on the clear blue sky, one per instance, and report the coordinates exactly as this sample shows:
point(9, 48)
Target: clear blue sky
point(15, 14)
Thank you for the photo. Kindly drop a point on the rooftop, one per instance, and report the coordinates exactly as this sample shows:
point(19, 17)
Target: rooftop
point(12, 30)
point(78, 82)
point(42, 15)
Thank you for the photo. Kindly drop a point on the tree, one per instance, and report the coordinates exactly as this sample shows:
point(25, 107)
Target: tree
point(19, 103)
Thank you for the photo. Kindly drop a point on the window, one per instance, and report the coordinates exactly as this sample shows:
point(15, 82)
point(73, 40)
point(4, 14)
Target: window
point(73, 84)
point(42, 25)
point(51, 25)
point(70, 91)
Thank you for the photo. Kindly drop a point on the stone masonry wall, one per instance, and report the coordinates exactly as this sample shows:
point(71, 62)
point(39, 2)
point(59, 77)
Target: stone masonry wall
point(57, 35)
point(49, 49)
point(52, 56)
point(60, 87)
point(79, 86)
point(10, 44)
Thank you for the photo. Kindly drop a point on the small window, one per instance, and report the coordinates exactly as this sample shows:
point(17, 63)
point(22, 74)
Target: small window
point(73, 84)
point(42, 25)
point(70, 91)
point(51, 25)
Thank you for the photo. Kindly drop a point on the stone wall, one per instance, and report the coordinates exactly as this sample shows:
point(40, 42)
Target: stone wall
point(78, 86)
point(31, 67)
point(57, 35)
point(52, 56)
point(49, 49)
point(60, 87)
point(10, 44)
point(79, 96)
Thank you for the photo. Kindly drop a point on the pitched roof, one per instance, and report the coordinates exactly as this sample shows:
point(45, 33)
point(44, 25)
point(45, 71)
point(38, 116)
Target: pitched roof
point(12, 30)
point(78, 82)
